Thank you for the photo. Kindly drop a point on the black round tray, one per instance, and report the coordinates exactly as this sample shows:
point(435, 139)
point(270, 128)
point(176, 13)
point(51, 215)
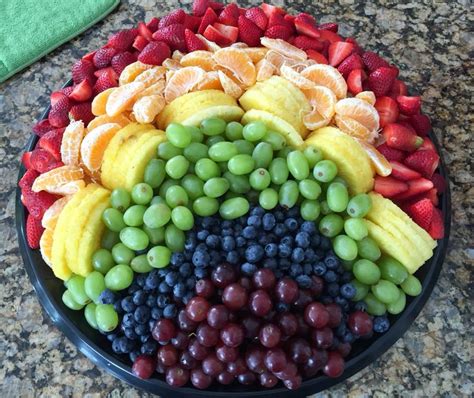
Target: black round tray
point(96, 347)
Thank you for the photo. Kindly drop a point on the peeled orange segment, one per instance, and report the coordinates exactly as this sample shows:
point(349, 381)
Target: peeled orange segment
point(353, 128)
point(151, 76)
point(296, 78)
point(265, 70)
point(210, 81)
point(71, 142)
point(314, 120)
point(200, 58)
point(46, 246)
point(367, 96)
point(172, 64)
point(177, 55)
point(71, 188)
point(239, 44)
point(360, 111)
point(278, 60)
point(51, 215)
point(147, 108)
point(183, 81)
point(100, 100)
point(239, 63)
point(327, 76)
point(323, 100)
point(131, 71)
point(55, 178)
point(157, 88)
point(230, 87)
point(211, 46)
point(104, 119)
point(94, 144)
point(256, 54)
point(122, 97)
point(381, 165)
point(284, 48)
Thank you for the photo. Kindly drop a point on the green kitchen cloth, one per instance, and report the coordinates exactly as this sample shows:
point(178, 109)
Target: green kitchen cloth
point(30, 29)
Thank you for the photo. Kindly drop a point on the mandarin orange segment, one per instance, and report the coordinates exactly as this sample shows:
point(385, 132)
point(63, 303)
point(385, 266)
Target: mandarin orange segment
point(183, 81)
point(200, 58)
point(265, 70)
point(100, 100)
point(296, 78)
point(256, 54)
point(147, 108)
point(327, 76)
point(367, 96)
point(301, 66)
point(360, 111)
point(122, 120)
point(353, 128)
point(71, 142)
point(230, 87)
point(239, 44)
point(94, 144)
point(239, 63)
point(171, 64)
point(177, 55)
point(70, 188)
point(381, 165)
point(157, 88)
point(55, 178)
point(46, 246)
point(131, 71)
point(284, 48)
point(210, 81)
point(211, 46)
point(51, 215)
point(151, 76)
point(314, 120)
point(323, 100)
point(123, 97)
point(278, 60)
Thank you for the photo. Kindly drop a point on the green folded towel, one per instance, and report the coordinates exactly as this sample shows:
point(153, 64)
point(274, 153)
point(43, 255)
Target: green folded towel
point(30, 29)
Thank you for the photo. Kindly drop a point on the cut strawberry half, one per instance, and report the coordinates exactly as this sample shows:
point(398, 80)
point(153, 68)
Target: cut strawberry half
point(123, 39)
point(355, 81)
point(339, 51)
point(425, 161)
point(257, 16)
point(28, 178)
point(436, 229)
point(34, 230)
point(399, 137)
point(209, 18)
point(305, 26)
point(89, 56)
point(229, 15)
point(174, 17)
point(155, 53)
point(122, 60)
point(389, 187)
point(422, 213)
point(42, 127)
point(282, 32)
point(200, 7)
point(409, 105)
point(193, 43)
point(331, 26)
point(26, 160)
point(82, 69)
point(139, 43)
point(388, 110)
point(381, 80)
point(192, 23)
point(58, 114)
point(279, 19)
point(421, 124)
point(106, 80)
point(249, 33)
point(317, 56)
point(82, 91)
point(82, 112)
point(307, 43)
point(41, 160)
point(398, 88)
point(144, 31)
point(51, 142)
point(428, 144)
point(402, 172)
point(353, 61)
point(229, 32)
point(173, 36)
point(56, 96)
point(439, 182)
point(415, 187)
point(106, 71)
point(391, 153)
point(330, 36)
point(212, 34)
point(373, 61)
point(153, 24)
point(270, 10)
point(103, 56)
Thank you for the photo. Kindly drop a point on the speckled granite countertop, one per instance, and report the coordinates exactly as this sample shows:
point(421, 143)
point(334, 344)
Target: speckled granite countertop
point(431, 44)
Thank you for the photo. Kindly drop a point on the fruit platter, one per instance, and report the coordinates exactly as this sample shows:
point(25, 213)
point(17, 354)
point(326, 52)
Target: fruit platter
point(233, 202)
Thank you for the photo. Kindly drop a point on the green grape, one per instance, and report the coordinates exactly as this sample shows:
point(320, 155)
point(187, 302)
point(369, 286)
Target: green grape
point(75, 285)
point(374, 306)
point(159, 256)
point(310, 210)
point(193, 186)
point(178, 135)
point(216, 187)
point(254, 131)
point(140, 264)
point(196, 133)
point(206, 169)
point(195, 151)
point(345, 247)
point(166, 150)
point(398, 306)
point(106, 317)
point(183, 218)
point(279, 171)
point(244, 147)
point(392, 270)
point(309, 189)
point(313, 155)
point(259, 179)
point(283, 152)
point(120, 199)
point(263, 155)
point(177, 167)
point(122, 254)
point(174, 238)
point(366, 272)
point(341, 181)
point(385, 291)
point(134, 238)
point(268, 198)
point(223, 167)
point(165, 186)
point(205, 206)
point(176, 196)
point(214, 140)
point(276, 140)
point(297, 165)
point(213, 126)
point(411, 286)
point(113, 219)
point(288, 194)
point(325, 171)
point(234, 208)
point(119, 277)
point(331, 225)
point(109, 239)
point(234, 131)
point(325, 210)
point(142, 194)
point(89, 314)
point(359, 205)
point(157, 215)
point(361, 290)
point(158, 199)
point(154, 173)
point(356, 228)
point(94, 285)
point(102, 260)
point(222, 151)
point(133, 217)
point(238, 184)
point(368, 249)
point(241, 164)
point(69, 301)
point(156, 235)
point(337, 197)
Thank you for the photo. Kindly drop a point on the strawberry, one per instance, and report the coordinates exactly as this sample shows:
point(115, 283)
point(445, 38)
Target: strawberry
point(139, 43)
point(89, 56)
point(431, 195)
point(51, 142)
point(399, 137)
point(389, 186)
point(421, 212)
point(353, 61)
point(279, 32)
point(305, 26)
point(289, 18)
point(41, 159)
point(302, 16)
point(209, 18)
point(339, 51)
point(82, 91)
point(330, 36)
point(37, 202)
point(317, 56)
point(108, 71)
point(229, 32)
point(26, 160)
point(58, 114)
point(249, 33)
point(103, 57)
point(355, 80)
point(121, 60)
point(427, 144)
point(391, 153)
point(421, 124)
point(200, 7)
point(216, 6)
point(425, 161)
point(229, 15)
point(387, 109)
point(415, 187)
point(174, 17)
point(144, 31)
point(373, 61)
point(34, 230)
point(409, 105)
point(307, 43)
point(81, 70)
point(67, 90)
point(105, 81)
point(28, 178)
point(279, 19)
point(172, 35)
point(81, 112)
point(56, 96)
point(402, 172)
point(212, 34)
point(270, 10)
point(193, 43)
point(381, 80)
point(257, 16)
point(333, 27)
point(153, 24)
point(398, 88)
point(436, 229)
point(439, 182)
point(123, 39)
point(42, 127)
point(357, 49)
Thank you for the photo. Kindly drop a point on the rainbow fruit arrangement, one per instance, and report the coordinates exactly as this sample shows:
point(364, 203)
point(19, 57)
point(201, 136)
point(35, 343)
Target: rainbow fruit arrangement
point(234, 195)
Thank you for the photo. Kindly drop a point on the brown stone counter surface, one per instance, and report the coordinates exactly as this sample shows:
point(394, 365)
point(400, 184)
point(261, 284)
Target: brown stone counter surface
point(431, 43)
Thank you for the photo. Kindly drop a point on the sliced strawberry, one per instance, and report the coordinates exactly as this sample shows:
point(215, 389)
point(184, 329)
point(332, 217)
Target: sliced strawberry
point(192, 22)
point(431, 195)
point(415, 187)
point(402, 172)
point(249, 33)
point(56, 96)
point(139, 43)
point(257, 16)
point(51, 142)
point(387, 109)
point(212, 34)
point(173, 35)
point(103, 57)
point(373, 61)
point(37, 202)
point(216, 6)
point(391, 153)
point(82, 69)
point(305, 26)
point(28, 178)
point(82, 91)
point(421, 124)
point(290, 19)
point(26, 160)
point(389, 186)
point(229, 32)
point(436, 229)
point(153, 24)
point(123, 39)
point(355, 81)
point(353, 61)
point(230, 15)
point(439, 182)
point(174, 17)
point(67, 90)
point(381, 80)
point(122, 60)
point(428, 144)
point(357, 49)
point(200, 7)
point(58, 114)
point(409, 105)
point(89, 56)
point(144, 31)
point(193, 43)
point(81, 112)
point(282, 32)
point(42, 127)
point(399, 137)
point(270, 10)
point(41, 159)
point(307, 43)
point(331, 26)
point(398, 88)
point(330, 36)
point(339, 51)
point(421, 212)
point(209, 18)
point(425, 161)
point(279, 19)
point(106, 71)
point(106, 80)
point(34, 230)
point(317, 56)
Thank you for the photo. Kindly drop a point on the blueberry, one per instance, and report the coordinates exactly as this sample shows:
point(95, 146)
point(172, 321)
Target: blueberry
point(142, 314)
point(149, 347)
point(291, 224)
point(381, 324)
point(348, 290)
point(308, 226)
point(177, 259)
point(226, 224)
point(107, 297)
point(330, 276)
point(319, 268)
point(207, 222)
point(287, 240)
point(201, 258)
point(240, 241)
point(249, 232)
point(348, 337)
point(116, 347)
point(170, 311)
point(162, 301)
point(331, 261)
point(309, 255)
point(200, 273)
point(316, 240)
point(171, 278)
point(254, 253)
point(202, 234)
point(187, 297)
point(164, 288)
point(118, 306)
point(179, 290)
point(142, 330)
point(326, 299)
point(127, 304)
point(298, 255)
point(280, 230)
point(156, 313)
point(146, 336)
point(271, 250)
point(238, 230)
point(325, 243)
point(302, 239)
point(185, 270)
point(282, 307)
point(264, 239)
point(190, 243)
point(233, 257)
point(112, 336)
point(268, 221)
point(130, 333)
point(333, 289)
point(319, 254)
point(128, 320)
point(227, 232)
point(343, 303)
point(228, 243)
point(257, 211)
point(341, 329)
point(304, 281)
point(279, 215)
point(284, 251)
point(361, 306)
point(271, 263)
point(139, 297)
point(126, 345)
point(152, 281)
point(141, 279)
point(151, 301)
point(284, 263)
point(295, 270)
point(133, 288)
point(346, 277)
point(248, 268)
point(293, 212)
point(134, 355)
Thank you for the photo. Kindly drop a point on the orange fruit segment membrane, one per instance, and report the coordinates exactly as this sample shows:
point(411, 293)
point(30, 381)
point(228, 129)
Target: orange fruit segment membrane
point(122, 120)
point(360, 111)
point(71, 142)
point(94, 144)
point(256, 54)
point(183, 81)
point(122, 97)
point(177, 55)
point(46, 246)
point(278, 60)
point(367, 96)
point(381, 165)
point(294, 77)
point(284, 48)
point(314, 120)
point(131, 71)
point(151, 76)
point(238, 63)
point(171, 64)
point(211, 46)
point(353, 128)
point(265, 70)
point(210, 81)
point(100, 100)
point(327, 76)
point(147, 108)
point(200, 58)
point(157, 88)
point(230, 87)
point(51, 215)
point(52, 180)
point(322, 100)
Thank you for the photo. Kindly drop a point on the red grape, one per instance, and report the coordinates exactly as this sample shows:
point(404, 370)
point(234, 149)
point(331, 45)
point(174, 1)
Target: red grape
point(323, 338)
point(268, 380)
point(245, 283)
point(144, 366)
point(344, 349)
point(317, 286)
point(335, 365)
point(275, 360)
point(205, 288)
point(269, 335)
point(287, 290)
point(187, 361)
point(299, 350)
point(199, 379)
point(226, 354)
point(167, 355)
point(185, 323)
point(293, 383)
point(197, 350)
point(247, 378)
point(288, 323)
point(360, 323)
point(212, 366)
point(335, 314)
point(251, 325)
point(254, 358)
point(260, 303)
point(177, 376)
point(264, 278)
point(316, 315)
point(304, 298)
point(315, 363)
point(180, 341)
point(197, 309)
point(290, 371)
point(232, 335)
point(223, 275)
point(225, 378)
point(207, 335)
point(237, 367)
point(218, 316)
point(164, 330)
point(234, 296)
